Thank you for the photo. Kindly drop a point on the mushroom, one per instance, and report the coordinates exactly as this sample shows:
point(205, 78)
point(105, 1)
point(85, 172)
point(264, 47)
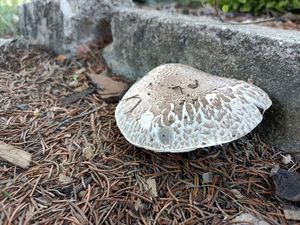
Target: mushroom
point(177, 108)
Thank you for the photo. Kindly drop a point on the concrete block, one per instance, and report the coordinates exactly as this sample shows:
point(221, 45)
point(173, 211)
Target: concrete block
point(62, 25)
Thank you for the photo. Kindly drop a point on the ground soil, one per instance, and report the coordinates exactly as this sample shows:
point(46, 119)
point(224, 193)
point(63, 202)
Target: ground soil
point(84, 172)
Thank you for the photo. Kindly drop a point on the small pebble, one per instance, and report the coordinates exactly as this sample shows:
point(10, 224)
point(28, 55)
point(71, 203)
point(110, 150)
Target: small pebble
point(161, 193)
point(68, 135)
point(286, 159)
point(207, 178)
point(22, 106)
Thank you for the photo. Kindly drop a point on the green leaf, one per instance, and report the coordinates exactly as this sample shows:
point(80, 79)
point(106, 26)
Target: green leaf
point(270, 5)
point(225, 8)
point(296, 4)
point(184, 2)
point(245, 8)
point(235, 6)
point(280, 6)
point(257, 7)
point(195, 3)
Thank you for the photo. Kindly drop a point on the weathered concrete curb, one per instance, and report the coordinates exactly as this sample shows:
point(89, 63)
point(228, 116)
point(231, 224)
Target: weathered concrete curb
point(271, 57)
point(62, 25)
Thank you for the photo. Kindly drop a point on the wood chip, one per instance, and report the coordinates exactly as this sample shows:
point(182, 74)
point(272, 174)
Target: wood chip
point(61, 58)
point(14, 155)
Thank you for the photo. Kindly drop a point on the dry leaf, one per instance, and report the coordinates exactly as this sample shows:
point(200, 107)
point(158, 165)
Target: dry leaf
point(72, 98)
point(14, 155)
point(152, 185)
point(290, 214)
point(107, 86)
point(61, 58)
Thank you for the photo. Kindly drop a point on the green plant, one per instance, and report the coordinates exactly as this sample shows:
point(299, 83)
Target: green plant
point(187, 3)
point(9, 16)
point(191, 3)
point(256, 7)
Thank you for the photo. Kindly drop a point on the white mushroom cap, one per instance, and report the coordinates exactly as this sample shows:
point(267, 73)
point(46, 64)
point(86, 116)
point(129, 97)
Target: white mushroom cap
point(177, 108)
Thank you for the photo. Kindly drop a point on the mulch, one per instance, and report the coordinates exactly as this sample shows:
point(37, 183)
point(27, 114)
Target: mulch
point(85, 172)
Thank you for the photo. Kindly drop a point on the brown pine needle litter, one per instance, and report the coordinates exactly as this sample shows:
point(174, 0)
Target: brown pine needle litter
point(108, 178)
